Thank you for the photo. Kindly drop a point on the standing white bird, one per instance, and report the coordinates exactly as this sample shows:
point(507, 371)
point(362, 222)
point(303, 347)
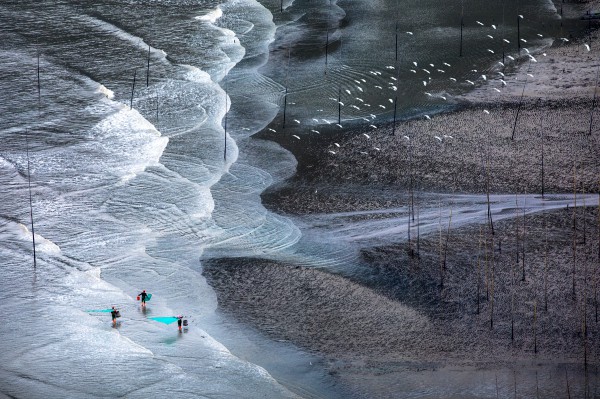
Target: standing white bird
point(298, 137)
point(427, 117)
point(337, 145)
point(491, 51)
point(480, 23)
point(469, 82)
point(494, 26)
point(373, 126)
point(406, 137)
point(272, 130)
point(438, 138)
point(410, 33)
point(506, 40)
point(445, 63)
point(366, 135)
point(332, 152)
point(587, 46)
point(485, 111)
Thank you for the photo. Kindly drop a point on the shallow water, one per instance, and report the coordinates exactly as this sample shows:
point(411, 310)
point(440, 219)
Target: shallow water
point(131, 184)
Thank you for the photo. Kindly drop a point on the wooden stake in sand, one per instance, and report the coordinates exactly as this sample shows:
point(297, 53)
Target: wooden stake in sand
point(225, 127)
point(520, 101)
point(148, 68)
point(39, 86)
point(30, 199)
point(287, 72)
point(132, 88)
point(462, 17)
point(594, 101)
point(326, 50)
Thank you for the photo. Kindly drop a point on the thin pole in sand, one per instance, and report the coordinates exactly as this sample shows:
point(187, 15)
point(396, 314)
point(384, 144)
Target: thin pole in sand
point(446, 246)
point(574, 227)
point(479, 267)
point(287, 73)
point(503, 34)
point(132, 88)
point(519, 34)
point(148, 68)
point(545, 261)
point(30, 199)
point(39, 86)
point(523, 238)
point(396, 96)
point(157, 124)
point(462, 17)
point(594, 101)
point(542, 130)
point(225, 127)
point(339, 105)
point(326, 50)
point(520, 101)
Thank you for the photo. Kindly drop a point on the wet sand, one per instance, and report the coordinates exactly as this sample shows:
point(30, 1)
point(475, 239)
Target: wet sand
point(521, 294)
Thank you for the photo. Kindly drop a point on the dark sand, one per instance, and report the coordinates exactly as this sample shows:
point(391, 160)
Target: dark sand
point(526, 294)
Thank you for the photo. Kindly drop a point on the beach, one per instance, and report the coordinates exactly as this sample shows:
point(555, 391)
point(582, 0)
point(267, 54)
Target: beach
point(488, 296)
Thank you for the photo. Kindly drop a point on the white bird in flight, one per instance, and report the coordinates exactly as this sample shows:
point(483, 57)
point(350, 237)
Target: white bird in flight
point(298, 137)
point(272, 130)
point(587, 46)
point(480, 23)
point(438, 138)
point(485, 111)
point(366, 135)
point(373, 126)
point(410, 33)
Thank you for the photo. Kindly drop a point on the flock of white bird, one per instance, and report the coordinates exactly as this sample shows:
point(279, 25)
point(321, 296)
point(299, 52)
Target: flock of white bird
point(427, 79)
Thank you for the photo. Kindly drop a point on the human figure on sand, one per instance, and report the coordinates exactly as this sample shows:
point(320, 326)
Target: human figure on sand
point(114, 313)
point(142, 295)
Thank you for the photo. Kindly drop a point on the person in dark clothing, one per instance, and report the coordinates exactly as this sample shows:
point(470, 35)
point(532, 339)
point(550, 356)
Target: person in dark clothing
point(114, 314)
point(143, 296)
point(179, 321)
